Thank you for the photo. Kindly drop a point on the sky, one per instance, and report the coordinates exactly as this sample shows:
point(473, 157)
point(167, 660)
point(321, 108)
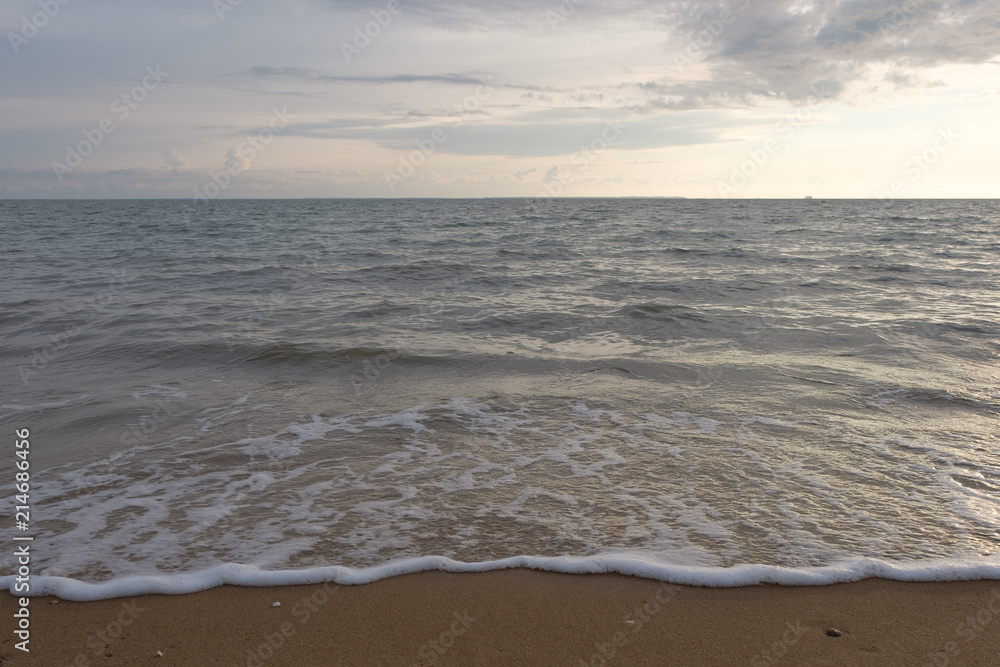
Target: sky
point(211, 99)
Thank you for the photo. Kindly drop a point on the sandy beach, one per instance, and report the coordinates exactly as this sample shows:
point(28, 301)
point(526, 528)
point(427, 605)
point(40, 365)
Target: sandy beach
point(523, 617)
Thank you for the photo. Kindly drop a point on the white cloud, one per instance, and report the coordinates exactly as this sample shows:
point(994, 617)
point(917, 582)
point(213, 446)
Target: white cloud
point(236, 161)
point(174, 160)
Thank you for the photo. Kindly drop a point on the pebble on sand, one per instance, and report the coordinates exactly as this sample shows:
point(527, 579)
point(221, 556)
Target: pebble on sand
point(276, 604)
point(834, 632)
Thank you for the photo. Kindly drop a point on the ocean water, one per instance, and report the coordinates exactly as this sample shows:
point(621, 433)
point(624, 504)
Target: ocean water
point(712, 392)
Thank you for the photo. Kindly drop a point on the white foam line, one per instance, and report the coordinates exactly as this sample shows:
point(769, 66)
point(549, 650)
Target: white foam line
point(741, 575)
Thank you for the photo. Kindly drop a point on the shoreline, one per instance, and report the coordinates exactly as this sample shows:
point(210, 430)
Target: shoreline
point(234, 574)
point(522, 617)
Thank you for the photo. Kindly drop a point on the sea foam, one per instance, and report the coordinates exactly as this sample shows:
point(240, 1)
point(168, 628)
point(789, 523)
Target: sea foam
point(741, 575)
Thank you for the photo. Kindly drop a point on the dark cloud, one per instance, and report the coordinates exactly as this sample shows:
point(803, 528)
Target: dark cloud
point(314, 76)
point(298, 75)
point(789, 48)
point(762, 47)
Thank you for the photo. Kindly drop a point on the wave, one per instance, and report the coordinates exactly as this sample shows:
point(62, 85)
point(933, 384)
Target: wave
point(304, 353)
point(928, 398)
point(663, 310)
point(233, 574)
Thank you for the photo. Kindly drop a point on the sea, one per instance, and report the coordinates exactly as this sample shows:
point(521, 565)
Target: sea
point(711, 392)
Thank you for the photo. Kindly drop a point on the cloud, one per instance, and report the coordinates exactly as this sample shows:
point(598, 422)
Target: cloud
point(236, 161)
point(484, 15)
point(784, 47)
point(691, 81)
point(174, 160)
point(777, 48)
point(313, 77)
point(904, 80)
point(317, 76)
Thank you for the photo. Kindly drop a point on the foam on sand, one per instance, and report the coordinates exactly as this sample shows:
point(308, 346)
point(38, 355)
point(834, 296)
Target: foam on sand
point(740, 575)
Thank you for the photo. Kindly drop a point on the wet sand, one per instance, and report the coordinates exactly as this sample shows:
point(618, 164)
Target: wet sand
point(522, 617)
